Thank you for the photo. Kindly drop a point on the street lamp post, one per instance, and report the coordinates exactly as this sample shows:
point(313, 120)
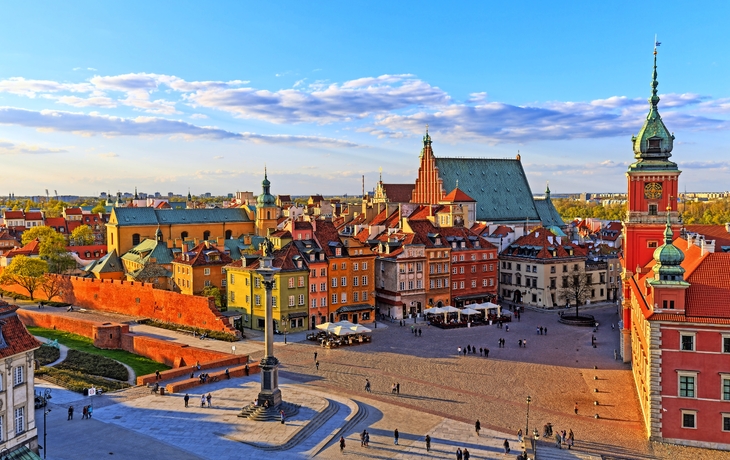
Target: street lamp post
point(527, 425)
point(536, 436)
point(285, 320)
point(46, 396)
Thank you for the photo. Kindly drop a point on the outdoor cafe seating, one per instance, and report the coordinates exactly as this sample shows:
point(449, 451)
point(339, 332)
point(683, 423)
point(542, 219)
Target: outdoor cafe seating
point(332, 335)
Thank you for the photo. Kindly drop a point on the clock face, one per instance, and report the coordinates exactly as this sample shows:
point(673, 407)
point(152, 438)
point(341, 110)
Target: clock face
point(653, 190)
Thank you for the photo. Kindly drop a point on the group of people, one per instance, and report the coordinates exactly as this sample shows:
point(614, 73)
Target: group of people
point(87, 412)
point(396, 389)
point(416, 331)
point(540, 330)
point(473, 350)
point(203, 400)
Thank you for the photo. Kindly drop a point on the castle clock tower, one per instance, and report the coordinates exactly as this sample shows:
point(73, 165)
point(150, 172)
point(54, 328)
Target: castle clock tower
point(652, 188)
point(267, 213)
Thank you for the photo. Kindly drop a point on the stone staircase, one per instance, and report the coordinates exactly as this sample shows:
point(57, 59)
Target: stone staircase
point(262, 414)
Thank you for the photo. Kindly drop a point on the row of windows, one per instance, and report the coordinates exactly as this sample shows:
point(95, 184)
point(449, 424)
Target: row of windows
point(355, 265)
point(356, 297)
point(418, 285)
point(343, 281)
point(19, 423)
point(313, 272)
point(687, 341)
point(689, 420)
point(473, 269)
point(688, 385)
point(341, 298)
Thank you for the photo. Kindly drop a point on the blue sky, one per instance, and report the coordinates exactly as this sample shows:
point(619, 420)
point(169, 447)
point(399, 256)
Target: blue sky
point(201, 95)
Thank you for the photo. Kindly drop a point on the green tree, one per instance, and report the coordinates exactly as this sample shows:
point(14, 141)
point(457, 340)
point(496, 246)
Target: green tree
point(51, 285)
point(82, 235)
point(575, 288)
point(26, 272)
point(52, 248)
point(213, 291)
point(100, 208)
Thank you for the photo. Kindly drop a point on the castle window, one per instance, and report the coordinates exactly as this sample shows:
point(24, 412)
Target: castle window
point(653, 209)
point(687, 341)
point(726, 344)
point(687, 384)
point(135, 239)
point(689, 419)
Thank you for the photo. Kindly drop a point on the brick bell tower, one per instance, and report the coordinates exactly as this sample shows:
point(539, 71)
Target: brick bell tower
point(652, 189)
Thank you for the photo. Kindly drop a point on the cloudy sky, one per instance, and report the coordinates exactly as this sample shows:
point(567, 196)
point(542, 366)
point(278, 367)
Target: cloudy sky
point(202, 95)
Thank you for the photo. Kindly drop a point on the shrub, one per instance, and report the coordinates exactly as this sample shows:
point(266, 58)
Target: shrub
point(78, 381)
point(47, 354)
point(94, 365)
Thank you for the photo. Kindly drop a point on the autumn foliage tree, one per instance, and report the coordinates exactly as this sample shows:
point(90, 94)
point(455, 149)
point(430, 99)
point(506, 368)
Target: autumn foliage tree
point(26, 272)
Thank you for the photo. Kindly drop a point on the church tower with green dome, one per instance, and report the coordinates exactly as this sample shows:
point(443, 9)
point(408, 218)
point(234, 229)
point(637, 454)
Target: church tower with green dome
point(653, 184)
point(267, 213)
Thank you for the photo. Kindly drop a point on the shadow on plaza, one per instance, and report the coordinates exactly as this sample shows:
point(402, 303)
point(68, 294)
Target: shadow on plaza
point(439, 446)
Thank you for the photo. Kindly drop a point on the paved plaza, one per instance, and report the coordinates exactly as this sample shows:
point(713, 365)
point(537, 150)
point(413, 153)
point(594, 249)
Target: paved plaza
point(441, 394)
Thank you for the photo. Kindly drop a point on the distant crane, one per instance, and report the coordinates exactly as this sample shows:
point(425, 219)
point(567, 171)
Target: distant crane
point(48, 197)
point(56, 192)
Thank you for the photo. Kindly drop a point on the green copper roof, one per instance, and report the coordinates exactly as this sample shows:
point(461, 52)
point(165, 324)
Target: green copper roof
point(266, 199)
point(668, 257)
point(110, 263)
point(549, 216)
point(498, 185)
point(148, 249)
point(161, 217)
point(653, 145)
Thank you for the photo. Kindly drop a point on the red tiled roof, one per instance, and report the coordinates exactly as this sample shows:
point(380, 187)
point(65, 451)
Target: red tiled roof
point(457, 196)
point(15, 336)
point(14, 215)
point(56, 222)
point(326, 233)
point(423, 212)
point(73, 211)
point(34, 215)
point(283, 259)
point(29, 249)
point(302, 225)
point(73, 225)
point(81, 251)
point(709, 291)
point(4, 235)
point(198, 256)
point(540, 238)
point(163, 205)
point(502, 231)
point(712, 232)
point(399, 193)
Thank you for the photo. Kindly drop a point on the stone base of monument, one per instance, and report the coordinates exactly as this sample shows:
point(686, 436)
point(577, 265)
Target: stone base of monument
point(305, 413)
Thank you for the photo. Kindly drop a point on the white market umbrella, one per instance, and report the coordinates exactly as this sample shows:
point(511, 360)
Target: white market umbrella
point(325, 326)
point(449, 309)
point(469, 311)
point(342, 330)
point(433, 311)
point(359, 329)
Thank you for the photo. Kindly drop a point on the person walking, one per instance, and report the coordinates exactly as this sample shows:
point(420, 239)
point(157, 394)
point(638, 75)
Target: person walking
point(575, 409)
point(157, 375)
point(367, 386)
point(428, 443)
point(316, 364)
point(544, 330)
point(342, 443)
point(202, 400)
point(419, 331)
point(519, 435)
point(84, 412)
point(505, 444)
point(458, 351)
point(524, 343)
point(283, 416)
point(458, 453)
point(477, 426)
point(186, 399)
point(466, 454)
point(397, 388)
point(571, 439)
point(395, 436)
point(90, 411)
point(557, 440)
point(70, 413)
point(246, 369)
point(315, 356)
point(367, 439)
point(486, 352)
point(392, 391)
point(362, 438)
point(208, 398)
point(228, 374)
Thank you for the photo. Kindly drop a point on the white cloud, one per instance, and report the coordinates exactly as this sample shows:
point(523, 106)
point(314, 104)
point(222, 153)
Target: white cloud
point(198, 116)
point(76, 101)
point(218, 157)
point(10, 148)
point(98, 124)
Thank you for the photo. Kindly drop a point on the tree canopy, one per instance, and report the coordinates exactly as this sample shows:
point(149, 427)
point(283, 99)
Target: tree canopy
point(99, 208)
point(26, 272)
point(52, 248)
point(82, 236)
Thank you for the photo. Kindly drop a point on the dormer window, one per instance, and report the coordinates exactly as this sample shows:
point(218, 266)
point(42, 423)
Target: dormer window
point(654, 144)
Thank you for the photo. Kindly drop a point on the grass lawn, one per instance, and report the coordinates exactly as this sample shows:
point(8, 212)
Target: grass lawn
point(140, 364)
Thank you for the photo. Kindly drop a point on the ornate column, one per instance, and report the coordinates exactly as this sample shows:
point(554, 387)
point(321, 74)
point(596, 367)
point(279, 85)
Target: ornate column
point(269, 364)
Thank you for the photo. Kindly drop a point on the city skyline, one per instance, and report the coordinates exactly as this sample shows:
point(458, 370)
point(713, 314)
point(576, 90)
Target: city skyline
point(99, 98)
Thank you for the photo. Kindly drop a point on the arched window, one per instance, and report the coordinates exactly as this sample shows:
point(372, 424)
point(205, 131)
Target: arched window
point(268, 214)
point(229, 234)
point(183, 235)
point(135, 239)
point(206, 235)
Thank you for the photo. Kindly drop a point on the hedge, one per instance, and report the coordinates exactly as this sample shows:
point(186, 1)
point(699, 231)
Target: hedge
point(47, 354)
point(97, 365)
point(78, 381)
